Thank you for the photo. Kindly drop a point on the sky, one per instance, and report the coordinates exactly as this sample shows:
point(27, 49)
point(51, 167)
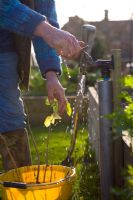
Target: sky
point(93, 10)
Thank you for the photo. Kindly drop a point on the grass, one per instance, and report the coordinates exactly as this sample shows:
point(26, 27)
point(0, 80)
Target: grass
point(58, 141)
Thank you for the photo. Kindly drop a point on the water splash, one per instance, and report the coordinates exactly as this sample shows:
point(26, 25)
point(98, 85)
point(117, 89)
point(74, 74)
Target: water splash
point(77, 109)
point(67, 69)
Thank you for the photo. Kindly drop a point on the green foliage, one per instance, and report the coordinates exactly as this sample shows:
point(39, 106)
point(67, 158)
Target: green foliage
point(59, 142)
point(51, 119)
point(128, 81)
point(88, 184)
point(126, 193)
point(99, 48)
point(123, 116)
point(90, 176)
point(37, 86)
point(91, 78)
point(123, 120)
point(129, 184)
point(69, 79)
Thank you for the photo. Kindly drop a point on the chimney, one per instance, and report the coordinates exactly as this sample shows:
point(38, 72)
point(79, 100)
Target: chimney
point(106, 15)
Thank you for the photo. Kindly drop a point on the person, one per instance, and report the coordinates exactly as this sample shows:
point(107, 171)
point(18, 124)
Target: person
point(25, 21)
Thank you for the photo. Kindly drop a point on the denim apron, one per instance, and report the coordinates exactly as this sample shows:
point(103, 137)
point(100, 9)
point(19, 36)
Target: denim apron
point(12, 114)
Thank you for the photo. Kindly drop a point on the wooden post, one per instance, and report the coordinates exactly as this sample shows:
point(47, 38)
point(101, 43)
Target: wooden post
point(118, 144)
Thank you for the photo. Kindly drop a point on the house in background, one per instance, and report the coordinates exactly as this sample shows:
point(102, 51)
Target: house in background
point(114, 34)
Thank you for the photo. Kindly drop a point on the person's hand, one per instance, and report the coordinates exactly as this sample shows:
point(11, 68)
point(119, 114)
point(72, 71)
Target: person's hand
point(55, 90)
point(63, 42)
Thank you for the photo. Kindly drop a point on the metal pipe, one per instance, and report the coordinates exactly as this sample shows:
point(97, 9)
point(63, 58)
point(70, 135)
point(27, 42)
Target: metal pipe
point(106, 139)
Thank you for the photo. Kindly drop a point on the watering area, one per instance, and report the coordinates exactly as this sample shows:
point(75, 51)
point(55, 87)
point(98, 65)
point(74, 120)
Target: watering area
point(52, 181)
point(55, 181)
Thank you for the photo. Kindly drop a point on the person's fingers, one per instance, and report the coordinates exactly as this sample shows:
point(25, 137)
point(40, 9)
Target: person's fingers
point(50, 95)
point(62, 106)
point(60, 96)
point(56, 91)
point(72, 55)
point(76, 48)
point(82, 44)
point(70, 47)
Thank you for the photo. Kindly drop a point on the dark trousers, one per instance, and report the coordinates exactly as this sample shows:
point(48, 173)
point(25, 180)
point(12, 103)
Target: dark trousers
point(14, 149)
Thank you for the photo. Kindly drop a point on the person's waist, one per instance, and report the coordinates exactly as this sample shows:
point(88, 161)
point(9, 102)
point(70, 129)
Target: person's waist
point(6, 58)
point(6, 42)
point(6, 49)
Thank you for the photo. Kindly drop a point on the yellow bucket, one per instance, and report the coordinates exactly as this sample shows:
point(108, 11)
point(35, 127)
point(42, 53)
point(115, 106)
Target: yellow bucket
point(55, 183)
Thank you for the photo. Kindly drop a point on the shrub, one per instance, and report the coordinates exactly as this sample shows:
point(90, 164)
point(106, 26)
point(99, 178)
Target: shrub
point(123, 120)
point(123, 116)
point(88, 185)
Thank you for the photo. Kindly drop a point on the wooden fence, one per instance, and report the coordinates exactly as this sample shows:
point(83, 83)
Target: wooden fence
point(112, 154)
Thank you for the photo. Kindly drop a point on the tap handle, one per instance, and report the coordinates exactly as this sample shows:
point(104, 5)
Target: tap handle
point(88, 36)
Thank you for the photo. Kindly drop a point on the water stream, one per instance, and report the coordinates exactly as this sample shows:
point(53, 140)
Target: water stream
point(77, 110)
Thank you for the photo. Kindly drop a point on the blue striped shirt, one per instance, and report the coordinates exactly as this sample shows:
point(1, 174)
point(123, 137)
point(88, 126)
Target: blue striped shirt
point(18, 18)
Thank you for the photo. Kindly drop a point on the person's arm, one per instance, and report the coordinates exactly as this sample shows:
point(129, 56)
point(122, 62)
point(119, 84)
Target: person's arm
point(64, 43)
point(56, 41)
point(18, 18)
point(47, 57)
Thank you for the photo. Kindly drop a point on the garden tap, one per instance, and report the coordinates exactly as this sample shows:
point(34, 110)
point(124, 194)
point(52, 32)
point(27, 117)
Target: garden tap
point(87, 64)
point(88, 36)
point(105, 67)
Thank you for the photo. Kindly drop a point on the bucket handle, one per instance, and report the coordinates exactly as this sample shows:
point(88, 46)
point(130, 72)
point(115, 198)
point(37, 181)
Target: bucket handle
point(19, 185)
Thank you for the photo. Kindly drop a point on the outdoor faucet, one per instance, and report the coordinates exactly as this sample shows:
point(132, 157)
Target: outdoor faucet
point(86, 61)
point(88, 36)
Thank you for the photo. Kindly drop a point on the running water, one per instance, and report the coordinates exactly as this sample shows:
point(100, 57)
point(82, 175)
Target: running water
point(77, 109)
